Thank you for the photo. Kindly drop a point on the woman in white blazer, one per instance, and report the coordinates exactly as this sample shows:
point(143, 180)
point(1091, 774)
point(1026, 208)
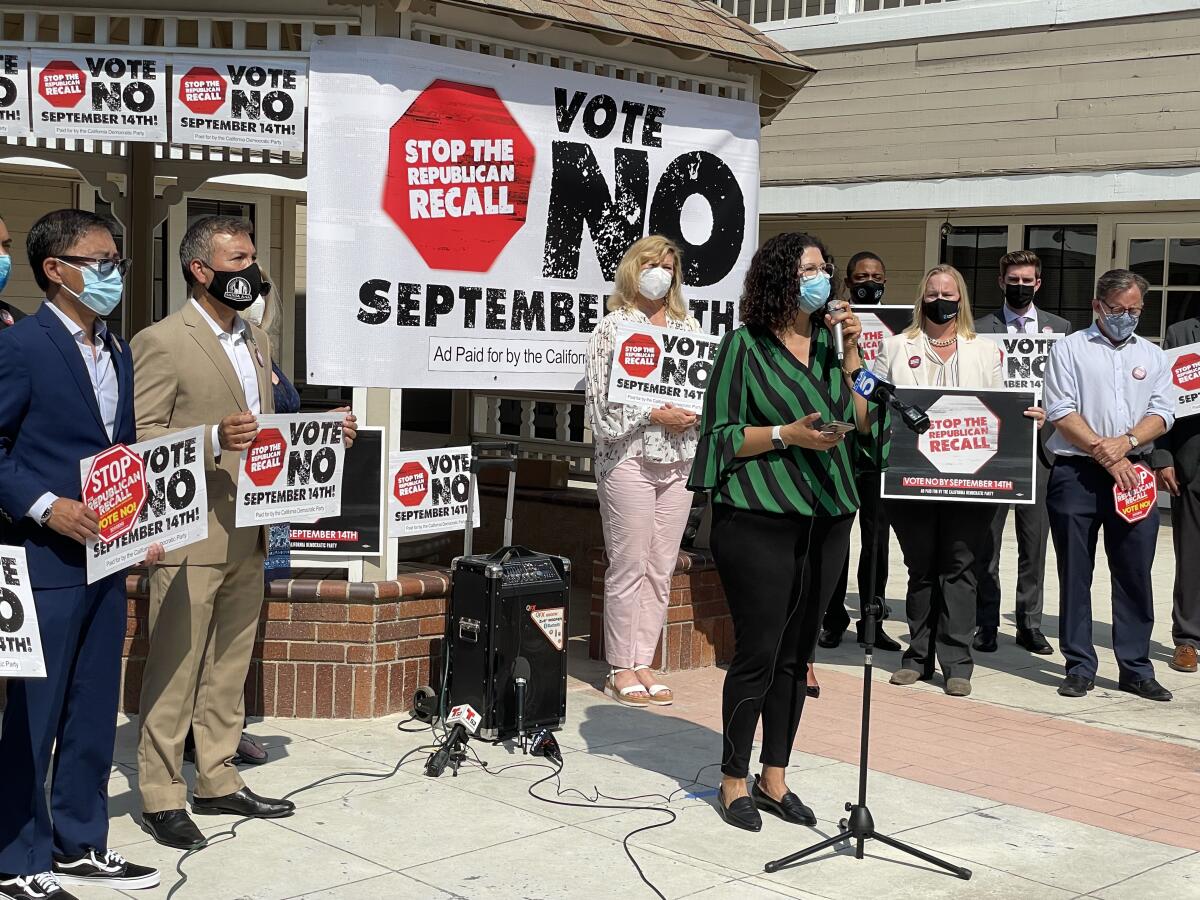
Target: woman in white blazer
point(939, 539)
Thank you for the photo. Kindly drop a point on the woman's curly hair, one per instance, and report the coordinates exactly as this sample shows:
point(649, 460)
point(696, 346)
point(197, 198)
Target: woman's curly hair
point(773, 283)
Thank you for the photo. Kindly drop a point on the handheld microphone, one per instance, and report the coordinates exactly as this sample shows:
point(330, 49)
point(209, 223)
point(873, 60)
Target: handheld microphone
point(521, 683)
point(834, 306)
point(878, 390)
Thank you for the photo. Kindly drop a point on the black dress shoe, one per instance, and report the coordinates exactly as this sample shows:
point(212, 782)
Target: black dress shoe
point(1075, 686)
point(790, 808)
point(985, 640)
point(174, 828)
point(1034, 641)
point(243, 803)
point(882, 640)
point(828, 639)
point(1147, 689)
point(741, 813)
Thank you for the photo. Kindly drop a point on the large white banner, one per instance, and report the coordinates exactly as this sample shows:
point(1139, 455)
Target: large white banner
point(466, 213)
point(429, 491)
point(293, 470)
point(99, 95)
point(14, 93)
point(241, 101)
point(20, 640)
point(653, 366)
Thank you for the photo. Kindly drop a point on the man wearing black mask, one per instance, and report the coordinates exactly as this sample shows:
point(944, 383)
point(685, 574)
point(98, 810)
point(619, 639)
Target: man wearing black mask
point(1020, 280)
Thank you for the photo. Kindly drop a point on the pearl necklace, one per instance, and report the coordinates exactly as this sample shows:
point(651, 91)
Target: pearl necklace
point(944, 342)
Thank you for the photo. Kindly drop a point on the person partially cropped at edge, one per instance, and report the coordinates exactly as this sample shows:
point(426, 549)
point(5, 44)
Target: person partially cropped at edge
point(642, 460)
point(784, 494)
point(67, 395)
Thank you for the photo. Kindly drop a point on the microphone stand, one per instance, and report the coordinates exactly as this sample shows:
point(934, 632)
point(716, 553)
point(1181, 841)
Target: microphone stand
point(859, 826)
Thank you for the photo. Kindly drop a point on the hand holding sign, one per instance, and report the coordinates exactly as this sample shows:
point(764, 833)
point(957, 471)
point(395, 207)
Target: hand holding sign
point(1125, 474)
point(72, 519)
point(1037, 414)
point(237, 432)
point(349, 426)
point(673, 419)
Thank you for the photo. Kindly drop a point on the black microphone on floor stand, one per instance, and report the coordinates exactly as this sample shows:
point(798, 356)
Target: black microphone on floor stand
point(521, 677)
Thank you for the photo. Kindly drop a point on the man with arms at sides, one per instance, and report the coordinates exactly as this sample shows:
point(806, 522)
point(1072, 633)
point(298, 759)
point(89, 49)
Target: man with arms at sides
point(205, 365)
point(67, 395)
point(1020, 280)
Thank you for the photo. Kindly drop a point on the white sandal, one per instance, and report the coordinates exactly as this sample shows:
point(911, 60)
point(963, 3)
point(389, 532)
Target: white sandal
point(657, 691)
point(624, 695)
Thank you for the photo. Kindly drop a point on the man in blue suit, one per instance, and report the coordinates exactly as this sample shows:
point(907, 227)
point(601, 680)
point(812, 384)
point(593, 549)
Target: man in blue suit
point(66, 393)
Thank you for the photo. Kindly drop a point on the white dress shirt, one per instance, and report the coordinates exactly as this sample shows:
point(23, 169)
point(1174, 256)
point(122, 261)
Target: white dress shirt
point(1021, 323)
point(237, 346)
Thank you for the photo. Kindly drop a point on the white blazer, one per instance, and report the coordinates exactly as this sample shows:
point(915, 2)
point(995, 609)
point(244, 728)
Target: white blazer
point(901, 360)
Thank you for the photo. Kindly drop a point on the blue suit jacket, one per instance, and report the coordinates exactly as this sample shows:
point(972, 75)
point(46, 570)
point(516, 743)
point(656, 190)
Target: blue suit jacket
point(49, 421)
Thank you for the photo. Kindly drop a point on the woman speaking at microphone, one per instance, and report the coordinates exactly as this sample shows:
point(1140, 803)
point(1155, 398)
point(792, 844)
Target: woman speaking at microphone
point(780, 438)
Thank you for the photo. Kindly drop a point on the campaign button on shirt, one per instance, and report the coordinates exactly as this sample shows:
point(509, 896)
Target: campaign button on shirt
point(1139, 373)
point(1046, 329)
point(914, 361)
point(6, 317)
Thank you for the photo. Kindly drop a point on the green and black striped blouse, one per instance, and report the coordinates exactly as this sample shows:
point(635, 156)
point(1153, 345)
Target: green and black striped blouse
point(756, 380)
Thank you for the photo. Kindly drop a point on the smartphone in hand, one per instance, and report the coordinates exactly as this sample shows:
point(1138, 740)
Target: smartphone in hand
point(835, 427)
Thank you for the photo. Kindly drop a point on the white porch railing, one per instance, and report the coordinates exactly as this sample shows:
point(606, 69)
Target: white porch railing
point(545, 425)
point(758, 12)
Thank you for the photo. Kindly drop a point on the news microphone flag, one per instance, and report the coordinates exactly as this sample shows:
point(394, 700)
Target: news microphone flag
point(865, 384)
point(464, 715)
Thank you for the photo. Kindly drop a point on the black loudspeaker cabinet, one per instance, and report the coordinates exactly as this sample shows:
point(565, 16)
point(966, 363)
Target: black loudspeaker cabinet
point(503, 605)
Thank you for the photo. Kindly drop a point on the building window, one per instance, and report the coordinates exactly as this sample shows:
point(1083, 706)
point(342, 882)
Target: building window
point(975, 251)
point(1068, 255)
point(1172, 266)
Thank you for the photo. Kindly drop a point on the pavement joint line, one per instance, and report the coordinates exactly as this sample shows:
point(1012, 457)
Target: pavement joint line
point(345, 884)
point(1168, 862)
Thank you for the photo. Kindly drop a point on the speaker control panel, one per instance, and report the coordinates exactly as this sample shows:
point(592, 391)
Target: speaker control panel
point(530, 572)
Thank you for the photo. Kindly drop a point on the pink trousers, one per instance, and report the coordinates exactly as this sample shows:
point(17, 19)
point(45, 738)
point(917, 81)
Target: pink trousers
point(644, 508)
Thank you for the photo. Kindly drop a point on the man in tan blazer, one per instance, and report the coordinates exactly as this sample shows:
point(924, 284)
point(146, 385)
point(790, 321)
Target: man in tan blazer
point(205, 365)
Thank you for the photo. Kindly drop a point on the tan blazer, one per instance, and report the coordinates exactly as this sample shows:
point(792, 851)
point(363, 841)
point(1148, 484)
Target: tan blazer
point(979, 362)
point(182, 378)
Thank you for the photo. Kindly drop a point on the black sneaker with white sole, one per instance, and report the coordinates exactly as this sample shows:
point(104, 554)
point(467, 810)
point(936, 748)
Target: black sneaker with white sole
point(43, 886)
point(109, 869)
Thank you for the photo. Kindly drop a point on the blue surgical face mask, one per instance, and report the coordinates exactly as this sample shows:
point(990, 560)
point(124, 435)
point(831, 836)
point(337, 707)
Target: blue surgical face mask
point(5, 270)
point(100, 294)
point(814, 292)
point(1119, 327)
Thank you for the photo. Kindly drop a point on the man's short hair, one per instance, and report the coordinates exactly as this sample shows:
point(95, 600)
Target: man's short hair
point(863, 256)
point(197, 242)
point(1118, 281)
point(1020, 258)
point(57, 232)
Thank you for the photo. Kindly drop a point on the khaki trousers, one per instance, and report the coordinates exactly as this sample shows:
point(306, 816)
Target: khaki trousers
point(202, 626)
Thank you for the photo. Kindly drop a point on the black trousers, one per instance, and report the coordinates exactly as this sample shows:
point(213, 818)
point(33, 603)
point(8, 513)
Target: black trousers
point(837, 619)
point(1185, 531)
point(1033, 534)
point(940, 541)
point(779, 573)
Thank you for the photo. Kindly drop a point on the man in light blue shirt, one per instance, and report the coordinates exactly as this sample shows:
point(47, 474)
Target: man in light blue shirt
point(1107, 393)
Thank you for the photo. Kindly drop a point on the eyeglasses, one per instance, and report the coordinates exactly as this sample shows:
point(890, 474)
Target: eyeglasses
point(807, 272)
point(103, 266)
point(1117, 310)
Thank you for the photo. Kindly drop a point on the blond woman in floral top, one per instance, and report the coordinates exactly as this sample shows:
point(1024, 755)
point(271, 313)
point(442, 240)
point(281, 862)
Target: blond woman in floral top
point(643, 456)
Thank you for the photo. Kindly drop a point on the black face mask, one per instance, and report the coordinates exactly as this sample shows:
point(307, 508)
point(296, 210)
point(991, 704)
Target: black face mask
point(941, 310)
point(1018, 296)
point(237, 290)
point(868, 292)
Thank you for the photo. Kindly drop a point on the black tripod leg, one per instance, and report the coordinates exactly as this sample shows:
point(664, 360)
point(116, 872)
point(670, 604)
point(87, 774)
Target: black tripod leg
point(962, 873)
point(776, 865)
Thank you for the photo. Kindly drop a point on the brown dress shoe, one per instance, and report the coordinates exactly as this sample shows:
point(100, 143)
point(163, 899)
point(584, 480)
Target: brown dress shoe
point(1184, 659)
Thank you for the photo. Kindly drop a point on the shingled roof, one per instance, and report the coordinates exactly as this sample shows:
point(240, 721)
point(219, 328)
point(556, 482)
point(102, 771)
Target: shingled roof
point(695, 25)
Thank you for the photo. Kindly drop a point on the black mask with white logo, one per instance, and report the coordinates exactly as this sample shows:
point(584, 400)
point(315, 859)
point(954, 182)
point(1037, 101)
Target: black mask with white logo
point(869, 292)
point(237, 290)
point(941, 310)
point(1018, 297)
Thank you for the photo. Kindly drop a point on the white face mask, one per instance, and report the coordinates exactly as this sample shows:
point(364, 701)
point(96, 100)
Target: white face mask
point(655, 282)
point(255, 311)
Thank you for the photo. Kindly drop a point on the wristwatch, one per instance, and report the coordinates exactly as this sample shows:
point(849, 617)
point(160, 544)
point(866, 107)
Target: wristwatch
point(777, 438)
point(46, 513)
point(1133, 442)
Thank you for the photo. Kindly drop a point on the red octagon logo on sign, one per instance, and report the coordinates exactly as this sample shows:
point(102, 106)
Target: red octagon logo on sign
point(115, 489)
point(963, 435)
point(62, 83)
point(1186, 372)
point(411, 484)
point(264, 459)
point(1136, 504)
point(203, 90)
point(458, 176)
point(639, 355)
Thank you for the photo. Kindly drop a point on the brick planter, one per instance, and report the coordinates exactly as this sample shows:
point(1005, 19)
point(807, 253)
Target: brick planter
point(698, 631)
point(327, 649)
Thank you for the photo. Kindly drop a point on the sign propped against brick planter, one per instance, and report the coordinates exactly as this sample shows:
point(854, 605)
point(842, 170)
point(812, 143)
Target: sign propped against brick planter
point(153, 492)
point(1136, 504)
point(20, 639)
point(1185, 379)
point(980, 447)
point(879, 323)
point(428, 491)
point(1024, 358)
point(14, 93)
point(293, 470)
point(100, 96)
point(239, 102)
point(653, 365)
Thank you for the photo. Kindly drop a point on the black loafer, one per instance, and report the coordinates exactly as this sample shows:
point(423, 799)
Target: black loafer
point(985, 640)
point(741, 813)
point(1147, 689)
point(790, 808)
point(174, 828)
point(1075, 686)
point(243, 803)
point(882, 640)
point(828, 639)
point(1034, 641)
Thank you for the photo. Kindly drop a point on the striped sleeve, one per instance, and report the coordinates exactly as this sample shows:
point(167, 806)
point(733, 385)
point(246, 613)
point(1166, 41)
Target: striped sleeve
point(723, 421)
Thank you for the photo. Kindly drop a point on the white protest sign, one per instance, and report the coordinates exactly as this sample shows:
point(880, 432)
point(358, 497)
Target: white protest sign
point(100, 95)
point(879, 322)
point(293, 470)
point(1185, 379)
point(239, 102)
point(20, 639)
point(153, 492)
point(14, 93)
point(466, 213)
point(428, 491)
point(1024, 358)
point(652, 366)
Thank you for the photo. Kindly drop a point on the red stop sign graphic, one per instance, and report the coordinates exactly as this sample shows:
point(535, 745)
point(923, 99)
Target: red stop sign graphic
point(458, 175)
point(115, 489)
point(411, 484)
point(1186, 372)
point(62, 83)
point(264, 459)
point(1135, 505)
point(638, 355)
point(203, 90)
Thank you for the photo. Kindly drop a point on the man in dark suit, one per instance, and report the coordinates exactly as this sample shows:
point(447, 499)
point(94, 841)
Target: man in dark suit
point(1020, 280)
point(9, 315)
point(1176, 457)
point(67, 395)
